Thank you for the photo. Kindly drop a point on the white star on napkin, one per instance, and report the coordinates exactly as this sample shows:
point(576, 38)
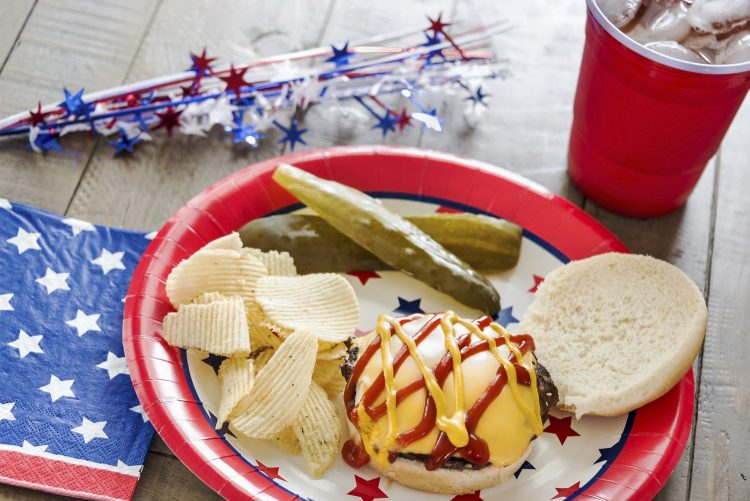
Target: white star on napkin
point(114, 365)
point(90, 430)
point(26, 344)
point(25, 240)
point(109, 261)
point(58, 388)
point(54, 281)
point(85, 323)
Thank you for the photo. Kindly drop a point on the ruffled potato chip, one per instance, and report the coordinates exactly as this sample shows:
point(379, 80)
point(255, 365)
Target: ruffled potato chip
point(236, 376)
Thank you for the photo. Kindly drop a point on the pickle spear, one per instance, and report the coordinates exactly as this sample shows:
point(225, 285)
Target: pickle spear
point(485, 243)
point(393, 239)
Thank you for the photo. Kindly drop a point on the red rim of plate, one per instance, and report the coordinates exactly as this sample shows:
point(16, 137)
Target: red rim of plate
point(659, 430)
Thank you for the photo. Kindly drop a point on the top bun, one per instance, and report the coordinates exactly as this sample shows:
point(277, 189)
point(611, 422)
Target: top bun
point(616, 331)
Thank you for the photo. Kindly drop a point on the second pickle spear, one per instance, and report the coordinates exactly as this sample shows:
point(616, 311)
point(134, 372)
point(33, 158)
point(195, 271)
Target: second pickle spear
point(393, 239)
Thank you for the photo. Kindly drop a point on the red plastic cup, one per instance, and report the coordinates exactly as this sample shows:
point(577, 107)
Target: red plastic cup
point(644, 124)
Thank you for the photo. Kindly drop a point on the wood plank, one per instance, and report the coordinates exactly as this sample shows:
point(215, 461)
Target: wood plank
point(13, 15)
point(526, 127)
point(87, 43)
point(721, 465)
point(163, 175)
point(166, 478)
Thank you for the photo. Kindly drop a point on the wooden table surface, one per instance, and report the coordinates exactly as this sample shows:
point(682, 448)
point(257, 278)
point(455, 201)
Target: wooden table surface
point(45, 44)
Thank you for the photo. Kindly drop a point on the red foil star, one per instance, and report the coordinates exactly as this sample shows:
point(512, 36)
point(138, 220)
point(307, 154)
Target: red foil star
point(537, 282)
point(235, 80)
point(474, 496)
point(437, 25)
point(168, 119)
point(364, 275)
point(564, 492)
point(202, 63)
point(404, 120)
point(36, 117)
point(368, 490)
point(270, 472)
point(562, 428)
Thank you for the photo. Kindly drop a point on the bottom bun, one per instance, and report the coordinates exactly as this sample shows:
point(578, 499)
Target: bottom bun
point(413, 474)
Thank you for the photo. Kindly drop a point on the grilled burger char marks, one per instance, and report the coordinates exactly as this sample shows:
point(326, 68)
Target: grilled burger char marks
point(547, 399)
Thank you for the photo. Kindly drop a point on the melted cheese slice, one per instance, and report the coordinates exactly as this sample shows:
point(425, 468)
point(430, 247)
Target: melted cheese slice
point(504, 425)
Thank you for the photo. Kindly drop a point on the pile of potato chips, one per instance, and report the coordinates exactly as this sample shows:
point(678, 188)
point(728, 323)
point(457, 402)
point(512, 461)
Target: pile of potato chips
point(285, 338)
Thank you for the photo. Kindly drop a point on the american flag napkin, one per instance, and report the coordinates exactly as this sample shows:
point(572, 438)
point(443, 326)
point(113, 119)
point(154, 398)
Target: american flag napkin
point(70, 422)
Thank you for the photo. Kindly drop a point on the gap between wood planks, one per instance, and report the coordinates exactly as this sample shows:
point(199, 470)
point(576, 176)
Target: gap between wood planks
point(97, 141)
point(18, 35)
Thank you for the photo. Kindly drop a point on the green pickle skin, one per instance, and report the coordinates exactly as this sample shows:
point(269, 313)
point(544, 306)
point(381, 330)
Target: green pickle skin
point(393, 239)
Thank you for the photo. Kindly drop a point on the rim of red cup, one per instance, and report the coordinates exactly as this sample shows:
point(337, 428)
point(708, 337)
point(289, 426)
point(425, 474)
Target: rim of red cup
point(712, 69)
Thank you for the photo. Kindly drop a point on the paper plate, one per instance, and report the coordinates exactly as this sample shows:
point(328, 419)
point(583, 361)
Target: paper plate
point(600, 458)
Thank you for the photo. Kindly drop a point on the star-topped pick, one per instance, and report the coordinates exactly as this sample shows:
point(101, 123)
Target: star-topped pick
point(562, 428)
point(367, 490)
point(340, 57)
point(406, 307)
point(74, 103)
point(292, 134)
point(125, 143)
point(169, 119)
point(36, 117)
point(386, 123)
point(437, 25)
point(403, 120)
point(235, 80)
point(201, 63)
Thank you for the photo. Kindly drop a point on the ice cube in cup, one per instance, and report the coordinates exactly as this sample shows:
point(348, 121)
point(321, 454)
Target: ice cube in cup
point(659, 23)
point(734, 50)
point(675, 50)
point(620, 12)
point(718, 16)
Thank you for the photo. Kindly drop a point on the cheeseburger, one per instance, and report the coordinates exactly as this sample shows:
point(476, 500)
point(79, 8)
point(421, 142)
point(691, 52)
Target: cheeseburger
point(444, 404)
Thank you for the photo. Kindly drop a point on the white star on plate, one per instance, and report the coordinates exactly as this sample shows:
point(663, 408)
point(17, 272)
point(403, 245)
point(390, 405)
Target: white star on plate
point(109, 261)
point(150, 235)
point(28, 446)
point(90, 430)
point(114, 365)
point(5, 302)
point(25, 240)
point(5, 204)
point(78, 226)
point(129, 470)
point(139, 409)
point(57, 388)
point(85, 323)
point(54, 281)
point(5, 411)
point(26, 344)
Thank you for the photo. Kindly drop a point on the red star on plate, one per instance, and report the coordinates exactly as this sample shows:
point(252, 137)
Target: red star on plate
point(364, 275)
point(562, 428)
point(474, 496)
point(367, 489)
point(235, 80)
point(168, 119)
point(270, 472)
point(437, 25)
point(36, 117)
point(447, 210)
point(202, 63)
point(537, 282)
point(564, 492)
point(404, 120)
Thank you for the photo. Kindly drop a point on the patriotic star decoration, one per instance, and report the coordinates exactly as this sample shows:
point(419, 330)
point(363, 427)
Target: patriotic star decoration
point(214, 361)
point(6, 411)
point(505, 317)
point(608, 454)
point(437, 26)
point(367, 490)
point(403, 120)
point(562, 428)
point(90, 430)
point(537, 282)
point(109, 261)
point(77, 226)
point(272, 472)
point(26, 344)
point(125, 143)
point(525, 466)
point(292, 133)
point(478, 97)
point(340, 57)
point(222, 112)
point(114, 365)
point(53, 281)
point(168, 119)
point(36, 117)
point(364, 276)
point(139, 410)
point(406, 307)
point(33, 449)
point(473, 496)
point(74, 104)
point(43, 141)
point(201, 63)
point(127, 469)
point(386, 123)
point(5, 302)
point(235, 80)
point(429, 119)
point(25, 240)
point(565, 492)
point(58, 388)
point(84, 323)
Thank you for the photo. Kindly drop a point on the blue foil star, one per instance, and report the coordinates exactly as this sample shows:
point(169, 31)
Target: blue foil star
point(74, 103)
point(125, 143)
point(407, 307)
point(340, 56)
point(478, 97)
point(247, 134)
point(386, 123)
point(525, 466)
point(292, 134)
point(47, 141)
point(433, 40)
point(505, 317)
